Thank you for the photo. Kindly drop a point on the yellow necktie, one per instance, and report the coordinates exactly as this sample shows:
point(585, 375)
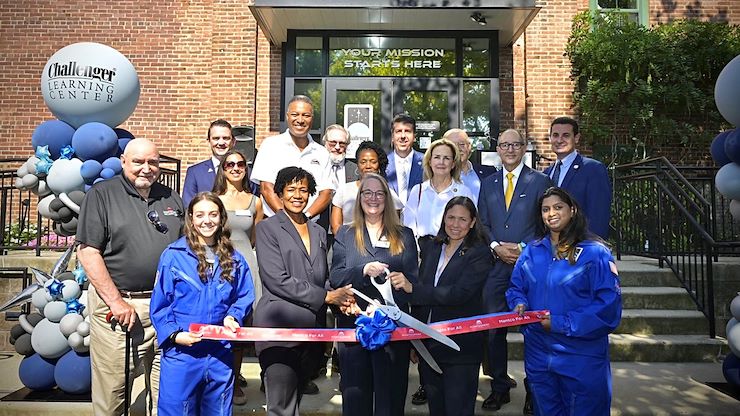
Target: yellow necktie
point(509, 189)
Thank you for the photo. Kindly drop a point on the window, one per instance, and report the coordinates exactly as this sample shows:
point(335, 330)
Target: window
point(312, 88)
point(635, 10)
point(308, 58)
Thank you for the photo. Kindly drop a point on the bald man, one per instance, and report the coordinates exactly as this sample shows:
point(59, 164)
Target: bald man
point(125, 223)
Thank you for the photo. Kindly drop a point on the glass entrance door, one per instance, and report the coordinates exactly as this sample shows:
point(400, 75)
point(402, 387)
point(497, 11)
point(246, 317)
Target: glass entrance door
point(367, 107)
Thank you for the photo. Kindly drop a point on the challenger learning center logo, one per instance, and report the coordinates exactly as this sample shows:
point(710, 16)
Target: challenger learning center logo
point(71, 81)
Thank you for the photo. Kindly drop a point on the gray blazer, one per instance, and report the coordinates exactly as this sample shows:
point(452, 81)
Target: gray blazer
point(293, 282)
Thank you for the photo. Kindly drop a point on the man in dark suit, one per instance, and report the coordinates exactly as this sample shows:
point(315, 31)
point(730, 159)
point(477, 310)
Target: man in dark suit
point(584, 178)
point(200, 176)
point(404, 163)
point(509, 211)
point(471, 174)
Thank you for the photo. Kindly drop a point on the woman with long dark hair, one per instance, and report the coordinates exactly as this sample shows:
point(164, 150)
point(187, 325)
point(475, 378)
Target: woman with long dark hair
point(571, 273)
point(200, 279)
point(454, 268)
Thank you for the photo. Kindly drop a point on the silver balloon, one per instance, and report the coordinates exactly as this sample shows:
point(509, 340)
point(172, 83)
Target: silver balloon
point(64, 176)
point(23, 296)
point(48, 341)
point(30, 181)
point(31, 164)
point(55, 311)
point(43, 189)
point(727, 92)
point(83, 328)
point(732, 322)
point(39, 300)
point(71, 290)
point(733, 340)
point(75, 340)
point(61, 264)
point(22, 171)
point(728, 180)
point(735, 308)
point(68, 324)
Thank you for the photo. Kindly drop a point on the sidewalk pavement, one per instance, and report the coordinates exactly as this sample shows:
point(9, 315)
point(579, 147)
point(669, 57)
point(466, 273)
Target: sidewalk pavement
point(639, 389)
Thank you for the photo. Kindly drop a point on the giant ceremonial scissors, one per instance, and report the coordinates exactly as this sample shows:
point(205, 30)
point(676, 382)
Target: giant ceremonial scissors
point(403, 319)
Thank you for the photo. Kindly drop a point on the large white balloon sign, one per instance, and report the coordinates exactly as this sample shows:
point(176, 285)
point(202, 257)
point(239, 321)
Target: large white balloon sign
point(88, 81)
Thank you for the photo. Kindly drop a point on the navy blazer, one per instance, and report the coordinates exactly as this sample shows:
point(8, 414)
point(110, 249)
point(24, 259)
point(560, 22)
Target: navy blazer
point(483, 171)
point(198, 178)
point(347, 264)
point(457, 295)
point(293, 282)
point(588, 182)
point(519, 223)
point(416, 176)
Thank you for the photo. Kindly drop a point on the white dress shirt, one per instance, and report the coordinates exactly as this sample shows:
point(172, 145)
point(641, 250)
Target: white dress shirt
point(403, 165)
point(423, 212)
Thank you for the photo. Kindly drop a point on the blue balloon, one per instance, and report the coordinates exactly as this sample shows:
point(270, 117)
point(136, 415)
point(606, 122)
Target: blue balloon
point(53, 133)
point(95, 141)
point(114, 164)
point(728, 180)
point(731, 369)
point(73, 374)
point(107, 173)
point(122, 143)
point(717, 149)
point(123, 133)
point(90, 170)
point(732, 145)
point(37, 372)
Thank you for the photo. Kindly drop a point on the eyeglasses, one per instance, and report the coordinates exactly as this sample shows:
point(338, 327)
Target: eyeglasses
point(153, 218)
point(230, 164)
point(507, 146)
point(368, 194)
point(333, 143)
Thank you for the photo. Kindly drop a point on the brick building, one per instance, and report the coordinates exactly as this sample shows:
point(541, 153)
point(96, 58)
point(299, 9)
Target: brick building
point(238, 60)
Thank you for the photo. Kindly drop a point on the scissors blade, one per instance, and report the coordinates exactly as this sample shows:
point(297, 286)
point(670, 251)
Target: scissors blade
point(424, 352)
point(365, 297)
point(412, 322)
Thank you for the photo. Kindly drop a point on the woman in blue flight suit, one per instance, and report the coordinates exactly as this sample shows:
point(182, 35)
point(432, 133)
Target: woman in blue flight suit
point(571, 273)
point(200, 279)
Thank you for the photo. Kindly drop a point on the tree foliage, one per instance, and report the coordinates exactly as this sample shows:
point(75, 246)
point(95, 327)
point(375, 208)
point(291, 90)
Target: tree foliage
point(648, 88)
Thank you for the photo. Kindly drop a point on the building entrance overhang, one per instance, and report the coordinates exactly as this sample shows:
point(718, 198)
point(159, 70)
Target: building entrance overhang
point(509, 17)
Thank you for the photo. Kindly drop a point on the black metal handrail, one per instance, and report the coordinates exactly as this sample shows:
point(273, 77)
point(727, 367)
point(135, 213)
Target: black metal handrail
point(22, 228)
point(659, 213)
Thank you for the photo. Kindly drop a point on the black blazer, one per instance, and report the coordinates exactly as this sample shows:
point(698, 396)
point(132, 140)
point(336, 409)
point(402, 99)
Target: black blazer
point(347, 265)
point(457, 295)
point(293, 283)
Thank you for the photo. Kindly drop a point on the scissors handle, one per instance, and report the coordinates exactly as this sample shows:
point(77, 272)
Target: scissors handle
point(385, 289)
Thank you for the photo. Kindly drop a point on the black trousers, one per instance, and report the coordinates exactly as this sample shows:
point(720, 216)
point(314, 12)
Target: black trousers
point(453, 392)
point(497, 348)
point(285, 370)
point(374, 382)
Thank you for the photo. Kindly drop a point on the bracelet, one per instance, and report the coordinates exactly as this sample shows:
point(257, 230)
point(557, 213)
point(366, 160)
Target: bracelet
point(174, 335)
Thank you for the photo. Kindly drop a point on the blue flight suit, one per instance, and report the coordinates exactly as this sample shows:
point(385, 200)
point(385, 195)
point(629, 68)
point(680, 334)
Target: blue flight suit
point(197, 380)
point(568, 368)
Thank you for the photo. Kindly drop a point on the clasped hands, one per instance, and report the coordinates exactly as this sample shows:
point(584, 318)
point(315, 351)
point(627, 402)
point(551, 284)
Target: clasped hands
point(545, 322)
point(189, 338)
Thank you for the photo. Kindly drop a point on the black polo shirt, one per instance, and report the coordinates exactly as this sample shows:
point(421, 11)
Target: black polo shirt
point(113, 219)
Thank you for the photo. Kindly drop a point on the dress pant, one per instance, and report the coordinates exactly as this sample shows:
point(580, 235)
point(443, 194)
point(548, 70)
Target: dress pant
point(453, 392)
point(497, 349)
point(374, 382)
point(285, 370)
point(107, 356)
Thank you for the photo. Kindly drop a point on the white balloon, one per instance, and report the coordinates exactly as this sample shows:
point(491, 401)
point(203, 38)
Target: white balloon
point(38, 299)
point(64, 176)
point(88, 81)
point(55, 310)
point(68, 324)
point(83, 328)
point(735, 308)
point(75, 340)
point(727, 180)
point(71, 290)
point(732, 322)
point(22, 171)
point(69, 203)
point(31, 164)
point(43, 189)
point(48, 341)
point(30, 180)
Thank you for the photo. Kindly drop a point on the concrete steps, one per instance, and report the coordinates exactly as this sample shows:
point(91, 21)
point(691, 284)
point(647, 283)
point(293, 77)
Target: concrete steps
point(656, 298)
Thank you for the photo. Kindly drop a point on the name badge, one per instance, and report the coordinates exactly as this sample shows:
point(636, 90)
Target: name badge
point(382, 244)
point(243, 212)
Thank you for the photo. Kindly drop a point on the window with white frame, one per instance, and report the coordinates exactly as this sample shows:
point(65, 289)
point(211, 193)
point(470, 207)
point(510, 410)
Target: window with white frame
point(635, 10)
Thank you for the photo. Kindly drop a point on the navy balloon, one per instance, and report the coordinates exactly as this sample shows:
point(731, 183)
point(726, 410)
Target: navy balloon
point(731, 369)
point(95, 141)
point(53, 133)
point(37, 372)
point(732, 145)
point(72, 373)
point(90, 170)
point(717, 149)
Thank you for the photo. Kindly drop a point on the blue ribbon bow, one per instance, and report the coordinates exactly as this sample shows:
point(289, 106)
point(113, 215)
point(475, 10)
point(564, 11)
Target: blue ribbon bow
point(373, 333)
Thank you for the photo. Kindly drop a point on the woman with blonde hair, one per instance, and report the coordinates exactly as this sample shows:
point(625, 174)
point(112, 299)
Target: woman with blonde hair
point(373, 382)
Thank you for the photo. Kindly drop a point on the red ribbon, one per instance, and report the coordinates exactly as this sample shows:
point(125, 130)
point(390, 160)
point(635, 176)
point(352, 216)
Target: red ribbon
point(453, 327)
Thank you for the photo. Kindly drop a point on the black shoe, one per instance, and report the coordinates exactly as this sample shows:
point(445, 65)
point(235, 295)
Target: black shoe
point(512, 382)
point(310, 389)
point(495, 400)
point(419, 397)
point(241, 381)
point(528, 409)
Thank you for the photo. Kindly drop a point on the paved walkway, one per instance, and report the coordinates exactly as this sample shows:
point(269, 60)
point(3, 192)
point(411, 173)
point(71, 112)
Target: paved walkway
point(639, 389)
